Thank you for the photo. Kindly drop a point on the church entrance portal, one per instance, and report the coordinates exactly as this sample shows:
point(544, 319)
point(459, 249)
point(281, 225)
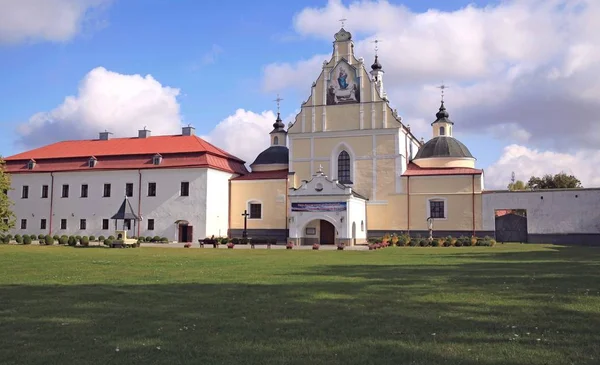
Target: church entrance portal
point(327, 233)
point(185, 232)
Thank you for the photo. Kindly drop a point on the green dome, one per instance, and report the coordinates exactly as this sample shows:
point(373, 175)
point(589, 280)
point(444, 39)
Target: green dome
point(443, 146)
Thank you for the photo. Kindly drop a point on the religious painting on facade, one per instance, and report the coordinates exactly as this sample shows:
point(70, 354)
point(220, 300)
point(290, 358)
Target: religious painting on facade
point(319, 207)
point(343, 86)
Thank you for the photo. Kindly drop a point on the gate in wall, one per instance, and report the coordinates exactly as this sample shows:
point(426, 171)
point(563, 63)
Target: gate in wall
point(511, 228)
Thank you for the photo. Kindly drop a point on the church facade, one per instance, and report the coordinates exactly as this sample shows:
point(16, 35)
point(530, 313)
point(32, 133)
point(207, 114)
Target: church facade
point(347, 167)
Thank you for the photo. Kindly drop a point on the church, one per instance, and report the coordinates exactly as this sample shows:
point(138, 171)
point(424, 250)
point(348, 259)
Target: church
point(345, 169)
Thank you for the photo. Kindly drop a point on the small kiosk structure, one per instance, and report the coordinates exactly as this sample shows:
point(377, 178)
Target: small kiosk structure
point(125, 214)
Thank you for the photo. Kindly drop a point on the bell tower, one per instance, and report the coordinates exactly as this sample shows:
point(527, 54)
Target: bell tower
point(278, 134)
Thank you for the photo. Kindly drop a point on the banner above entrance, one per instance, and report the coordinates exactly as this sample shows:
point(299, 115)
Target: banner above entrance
point(319, 207)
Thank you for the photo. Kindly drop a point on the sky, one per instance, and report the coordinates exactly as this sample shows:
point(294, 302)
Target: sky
point(522, 74)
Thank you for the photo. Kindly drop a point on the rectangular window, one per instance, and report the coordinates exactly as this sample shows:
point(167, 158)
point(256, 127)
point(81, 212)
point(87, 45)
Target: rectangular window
point(255, 211)
point(44, 191)
point(63, 224)
point(185, 188)
point(106, 192)
point(23, 223)
point(436, 208)
point(42, 224)
point(129, 190)
point(151, 189)
point(105, 224)
point(127, 224)
point(82, 224)
point(65, 191)
point(25, 192)
point(84, 190)
point(151, 224)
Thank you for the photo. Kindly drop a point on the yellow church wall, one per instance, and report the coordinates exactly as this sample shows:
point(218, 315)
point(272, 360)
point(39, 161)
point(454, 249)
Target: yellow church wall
point(271, 193)
point(361, 146)
point(445, 162)
point(343, 117)
point(387, 217)
point(363, 177)
point(386, 178)
point(302, 170)
point(386, 144)
point(460, 212)
point(444, 184)
point(300, 148)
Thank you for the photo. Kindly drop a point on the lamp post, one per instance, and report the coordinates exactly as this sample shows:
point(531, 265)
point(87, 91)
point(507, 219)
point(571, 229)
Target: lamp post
point(430, 225)
point(245, 215)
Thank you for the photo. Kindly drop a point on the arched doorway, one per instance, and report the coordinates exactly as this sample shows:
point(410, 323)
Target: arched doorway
point(327, 233)
point(185, 231)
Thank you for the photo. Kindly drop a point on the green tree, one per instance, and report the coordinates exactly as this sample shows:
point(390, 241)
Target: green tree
point(558, 181)
point(517, 185)
point(7, 217)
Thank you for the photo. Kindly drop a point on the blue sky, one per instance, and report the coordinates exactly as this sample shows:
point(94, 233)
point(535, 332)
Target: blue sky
point(216, 54)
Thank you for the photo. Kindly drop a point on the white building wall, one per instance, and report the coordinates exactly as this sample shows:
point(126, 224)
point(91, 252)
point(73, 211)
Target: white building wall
point(165, 208)
point(559, 212)
point(357, 215)
point(217, 208)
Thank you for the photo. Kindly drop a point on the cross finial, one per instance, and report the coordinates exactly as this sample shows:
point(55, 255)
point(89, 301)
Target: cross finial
point(278, 100)
point(443, 87)
point(343, 20)
point(320, 168)
point(376, 41)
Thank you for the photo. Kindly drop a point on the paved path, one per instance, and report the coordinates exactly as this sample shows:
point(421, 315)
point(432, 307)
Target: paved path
point(258, 247)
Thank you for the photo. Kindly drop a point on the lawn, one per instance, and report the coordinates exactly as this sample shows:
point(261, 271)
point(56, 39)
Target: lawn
point(510, 304)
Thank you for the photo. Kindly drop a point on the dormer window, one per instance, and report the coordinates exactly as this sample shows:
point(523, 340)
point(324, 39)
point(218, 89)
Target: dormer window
point(92, 162)
point(157, 159)
point(31, 164)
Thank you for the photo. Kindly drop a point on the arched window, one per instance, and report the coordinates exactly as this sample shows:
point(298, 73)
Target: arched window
point(442, 131)
point(344, 168)
point(275, 140)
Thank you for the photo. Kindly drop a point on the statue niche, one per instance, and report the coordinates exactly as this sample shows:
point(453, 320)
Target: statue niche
point(343, 87)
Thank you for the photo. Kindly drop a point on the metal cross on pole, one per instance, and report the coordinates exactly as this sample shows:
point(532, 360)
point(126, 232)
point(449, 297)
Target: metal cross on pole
point(376, 41)
point(443, 87)
point(245, 215)
point(278, 100)
point(343, 20)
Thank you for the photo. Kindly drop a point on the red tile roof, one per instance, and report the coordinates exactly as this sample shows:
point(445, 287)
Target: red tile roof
point(414, 170)
point(126, 153)
point(263, 175)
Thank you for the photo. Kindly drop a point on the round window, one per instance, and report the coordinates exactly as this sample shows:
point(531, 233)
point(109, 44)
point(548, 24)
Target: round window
point(319, 187)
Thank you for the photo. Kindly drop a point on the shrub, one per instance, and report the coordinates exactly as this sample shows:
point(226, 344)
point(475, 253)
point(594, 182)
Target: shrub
point(148, 239)
point(92, 238)
point(414, 242)
point(6, 239)
point(63, 240)
point(78, 238)
point(111, 237)
point(56, 237)
point(447, 242)
point(423, 243)
point(10, 237)
point(315, 246)
point(473, 241)
point(155, 239)
point(463, 241)
point(101, 238)
point(41, 236)
point(34, 237)
point(108, 242)
point(85, 241)
point(72, 241)
point(49, 240)
point(235, 241)
point(1, 238)
point(244, 241)
point(403, 240)
point(26, 240)
point(436, 242)
point(18, 238)
point(224, 240)
point(164, 240)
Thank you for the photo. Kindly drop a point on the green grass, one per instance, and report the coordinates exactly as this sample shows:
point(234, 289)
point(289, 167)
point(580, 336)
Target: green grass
point(511, 304)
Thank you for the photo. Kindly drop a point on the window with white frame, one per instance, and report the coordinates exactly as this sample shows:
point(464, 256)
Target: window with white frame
point(437, 208)
point(255, 209)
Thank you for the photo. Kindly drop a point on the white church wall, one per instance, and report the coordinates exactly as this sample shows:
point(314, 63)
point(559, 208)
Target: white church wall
point(217, 203)
point(357, 215)
point(34, 208)
point(550, 213)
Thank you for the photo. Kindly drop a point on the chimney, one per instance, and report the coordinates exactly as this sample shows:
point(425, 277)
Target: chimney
point(104, 135)
point(188, 131)
point(143, 133)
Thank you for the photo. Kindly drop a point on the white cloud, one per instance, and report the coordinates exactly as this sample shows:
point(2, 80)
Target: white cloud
point(526, 162)
point(121, 104)
point(48, 20)
point(524, 66)
point(244, 134)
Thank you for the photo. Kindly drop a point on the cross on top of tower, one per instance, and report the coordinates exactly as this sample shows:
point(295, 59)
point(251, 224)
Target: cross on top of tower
point(443, 87)
point(278, 100)
point(376, 41)
point(343, 20)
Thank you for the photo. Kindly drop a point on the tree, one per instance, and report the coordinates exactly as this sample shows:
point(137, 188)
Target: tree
point(517, 185)
point(7, 217)
point(558, 181)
